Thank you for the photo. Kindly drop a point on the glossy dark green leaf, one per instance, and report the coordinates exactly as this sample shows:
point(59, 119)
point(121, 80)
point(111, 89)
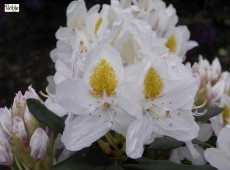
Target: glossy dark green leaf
point(210, 112)
point(147, 164)
point(86, 159)
point(45, 116)
point(165, 143)
point(114, 166)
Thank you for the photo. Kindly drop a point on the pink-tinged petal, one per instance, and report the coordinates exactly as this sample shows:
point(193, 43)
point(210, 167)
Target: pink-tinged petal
point(138, 134)
point(180, 125)
point(6, 155)
point(31, 93)
point(19, 129)
point(81, 131)
point(217, 158)
point(19, 104)
point(39, 143)
point(6, 122)
point(74, 97)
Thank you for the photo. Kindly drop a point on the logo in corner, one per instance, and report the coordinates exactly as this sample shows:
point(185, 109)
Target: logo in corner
point(11, 7)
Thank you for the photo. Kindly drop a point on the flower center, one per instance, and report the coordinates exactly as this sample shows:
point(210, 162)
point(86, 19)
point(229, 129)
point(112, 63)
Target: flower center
point(226, 115)
point(103, 79)
point(153, 84)
point(171, 44)
point(98, 24)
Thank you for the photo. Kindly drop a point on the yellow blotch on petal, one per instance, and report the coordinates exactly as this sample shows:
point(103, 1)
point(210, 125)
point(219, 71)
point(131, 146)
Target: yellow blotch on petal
point(103, 79)
point(171, 44)
point(229, 91)
point(153, 84)
point(226, 115)
point(98, 24)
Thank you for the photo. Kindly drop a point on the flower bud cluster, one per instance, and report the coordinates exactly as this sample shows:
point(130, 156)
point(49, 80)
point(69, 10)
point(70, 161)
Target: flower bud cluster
point(22, 137)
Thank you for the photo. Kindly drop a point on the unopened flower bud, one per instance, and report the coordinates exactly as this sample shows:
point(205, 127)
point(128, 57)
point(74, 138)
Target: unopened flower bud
point(31, 93)
point(30, 122)
point(6, 122)
point(6, 156)
point(18, 108)
point(19, 129)
point(39, 143)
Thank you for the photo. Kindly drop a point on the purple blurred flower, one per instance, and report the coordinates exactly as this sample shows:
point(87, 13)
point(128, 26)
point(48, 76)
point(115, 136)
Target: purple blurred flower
point(205, 34)
point(35, 4)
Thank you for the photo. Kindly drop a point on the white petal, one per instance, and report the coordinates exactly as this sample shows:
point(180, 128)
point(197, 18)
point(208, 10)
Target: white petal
point(82, 131)
point(54, 107)
point(182, 153)
point(205, 132)
point(217, 158)
point(74, 97)
point(179, 126)
point(121, 120)
point(63, 71)
point(64, 34)
point(223, 140)
point(138, 134)
point(51, 88)
point(76, 12)
point(216, 123)
point(129, 91)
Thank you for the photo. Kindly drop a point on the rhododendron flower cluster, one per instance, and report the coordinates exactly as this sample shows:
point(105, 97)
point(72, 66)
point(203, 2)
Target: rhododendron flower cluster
point(121, 82)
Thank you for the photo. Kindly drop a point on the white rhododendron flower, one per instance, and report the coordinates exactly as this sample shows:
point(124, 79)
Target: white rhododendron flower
point(166, 96)
point(120, 68)
point(94, 98)
point(220, 157)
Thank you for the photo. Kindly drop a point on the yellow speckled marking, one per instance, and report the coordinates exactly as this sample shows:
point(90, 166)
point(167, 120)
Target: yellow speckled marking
point(226, 115)
point(229, 91)
point(98, 24)
point(103, 79)
point(153, 84)
point(171, 44)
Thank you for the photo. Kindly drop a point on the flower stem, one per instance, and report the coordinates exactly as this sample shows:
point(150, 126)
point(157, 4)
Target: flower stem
point(17, 163)
point(111, 141)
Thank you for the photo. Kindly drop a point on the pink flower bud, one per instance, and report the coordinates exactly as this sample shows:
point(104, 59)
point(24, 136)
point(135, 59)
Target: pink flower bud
point(18, 107)
point(39, 143)
point(6, 156)
point(31, 93)
point(19, 129)
point(6, 122)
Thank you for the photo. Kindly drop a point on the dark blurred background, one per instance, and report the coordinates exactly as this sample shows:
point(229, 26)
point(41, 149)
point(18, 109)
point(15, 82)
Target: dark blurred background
point(27, 37)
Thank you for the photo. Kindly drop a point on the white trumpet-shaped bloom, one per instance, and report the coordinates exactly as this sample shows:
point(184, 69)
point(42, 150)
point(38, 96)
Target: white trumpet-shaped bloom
point(166, 95)
point(92, 101)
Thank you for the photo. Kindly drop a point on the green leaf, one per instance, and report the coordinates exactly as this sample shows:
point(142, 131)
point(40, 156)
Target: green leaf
point(207, 145)
point(45, 116)
point(86, 159)
point(211, 112)
point(165, 143)
point(148, 164)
